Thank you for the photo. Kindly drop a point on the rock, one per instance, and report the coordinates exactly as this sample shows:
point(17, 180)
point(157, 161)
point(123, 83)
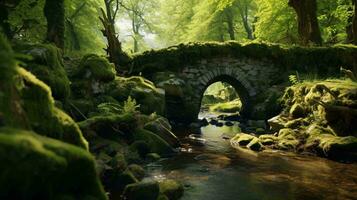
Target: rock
point(297, 111)
point(172, 189)
point(95, 67)
point(159, 129)
point(47, 65)
point(152, 157)
point(142, 191)
point(137, 171)
point(119, 182)
point(268, 139)
point(219, 124)
point(241, 139)
point(204, 122)
point(233, 117)
point(213, 122)
point(141, 147)
point(229, 123)
point(255, 145)
point(194, 125)
point(197, 139)
point(156, 143)
point(111, 126)
point(33, 167)
point(260, 131)
point(277, 123)
point(35, 108)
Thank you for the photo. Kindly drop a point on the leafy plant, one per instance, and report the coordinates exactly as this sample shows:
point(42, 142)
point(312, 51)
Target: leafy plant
point(110, 108)
point(294, 78)
point(130, 105)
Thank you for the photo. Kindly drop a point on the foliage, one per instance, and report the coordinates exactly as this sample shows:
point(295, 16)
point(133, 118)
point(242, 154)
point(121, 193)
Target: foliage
point(130, 105)
point(110, 108)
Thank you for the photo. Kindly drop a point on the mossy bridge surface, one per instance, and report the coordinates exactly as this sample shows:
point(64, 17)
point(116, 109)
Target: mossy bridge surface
point(259, 72)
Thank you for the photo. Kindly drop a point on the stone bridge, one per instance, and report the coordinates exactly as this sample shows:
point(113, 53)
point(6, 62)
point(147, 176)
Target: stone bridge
point(258, 72)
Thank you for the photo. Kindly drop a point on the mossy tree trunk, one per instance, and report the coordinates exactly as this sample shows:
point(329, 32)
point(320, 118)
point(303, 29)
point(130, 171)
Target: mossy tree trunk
point(308, 26)
point(55, 15)
point(349, 30)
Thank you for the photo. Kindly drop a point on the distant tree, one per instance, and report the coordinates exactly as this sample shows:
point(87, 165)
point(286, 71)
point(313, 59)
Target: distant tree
point(114, 47)
point(308, 26)
point(354, 22)
point(54, 11)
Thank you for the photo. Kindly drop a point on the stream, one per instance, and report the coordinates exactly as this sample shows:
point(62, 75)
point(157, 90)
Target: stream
point(210, 169)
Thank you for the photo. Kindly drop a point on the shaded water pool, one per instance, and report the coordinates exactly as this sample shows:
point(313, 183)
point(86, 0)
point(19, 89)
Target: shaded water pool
point(214, 170)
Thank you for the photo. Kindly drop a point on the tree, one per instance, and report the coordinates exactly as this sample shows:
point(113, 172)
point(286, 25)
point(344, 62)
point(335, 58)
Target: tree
point(54, 11)
point(114, 47)
point(308, 26)
point(354, 22)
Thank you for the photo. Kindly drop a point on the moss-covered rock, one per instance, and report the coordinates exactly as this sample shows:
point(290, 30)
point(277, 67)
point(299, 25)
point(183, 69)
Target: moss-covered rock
point(297, 111)
point(150, 98)
point(27, 102)
point(37, 167)
point(142, 191)
point(110, 126)
point(171, 189)
point(241, 139)
point(96, 68)
point(160, 128)
point(255, 145)
point(156, 144)
point(137, 171)
point(47, 65)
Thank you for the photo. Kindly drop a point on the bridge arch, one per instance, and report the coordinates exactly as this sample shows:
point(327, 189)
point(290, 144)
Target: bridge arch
point(240, 86)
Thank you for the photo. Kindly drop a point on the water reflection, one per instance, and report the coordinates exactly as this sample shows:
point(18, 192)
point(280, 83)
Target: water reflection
point(217, 171)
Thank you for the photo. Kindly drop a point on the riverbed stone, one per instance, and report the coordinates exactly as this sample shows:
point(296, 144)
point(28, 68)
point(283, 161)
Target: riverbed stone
point(172, 189)
point(142, 191)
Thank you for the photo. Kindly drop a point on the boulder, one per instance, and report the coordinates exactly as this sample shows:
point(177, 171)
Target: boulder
point(142, 191)
point(255, 145)
point(297, 111)
point(37, 167)
point(156, 143)
point(241, 139)
point(276, 123)
point(171, 189)
point(159, 128)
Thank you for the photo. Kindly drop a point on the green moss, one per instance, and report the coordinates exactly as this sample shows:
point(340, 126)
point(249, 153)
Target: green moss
point(172, 189)
point(49, 169)
point(297, 111)
point(137, 171)
point(255, 145)
point(150, 98)
point(241, 139)
point(48, 66)
point(110, 126)
point(95, 67)
point(227, 107)
point(296, 58)
point(156, 144)
point(142, 191)
point(43, 116)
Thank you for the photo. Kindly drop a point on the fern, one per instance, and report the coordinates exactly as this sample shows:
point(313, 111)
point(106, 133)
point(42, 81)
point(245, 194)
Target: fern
point(130, 105)
point(294, 78)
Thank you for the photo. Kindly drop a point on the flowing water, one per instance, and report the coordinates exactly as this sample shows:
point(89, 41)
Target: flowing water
point(211, 169)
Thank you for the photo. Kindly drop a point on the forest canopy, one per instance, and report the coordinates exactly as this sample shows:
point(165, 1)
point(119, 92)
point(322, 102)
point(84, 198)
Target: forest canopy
point(144, 24)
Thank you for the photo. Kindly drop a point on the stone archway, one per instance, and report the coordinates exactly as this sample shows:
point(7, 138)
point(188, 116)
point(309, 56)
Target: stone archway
point(241, 90)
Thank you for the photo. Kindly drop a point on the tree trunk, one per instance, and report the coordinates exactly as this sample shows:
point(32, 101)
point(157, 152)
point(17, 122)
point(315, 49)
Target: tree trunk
point(230, 24)
point(354, 22)
point(244, 12)
point(308, 26)
point(54, 13)
point(5, 26)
